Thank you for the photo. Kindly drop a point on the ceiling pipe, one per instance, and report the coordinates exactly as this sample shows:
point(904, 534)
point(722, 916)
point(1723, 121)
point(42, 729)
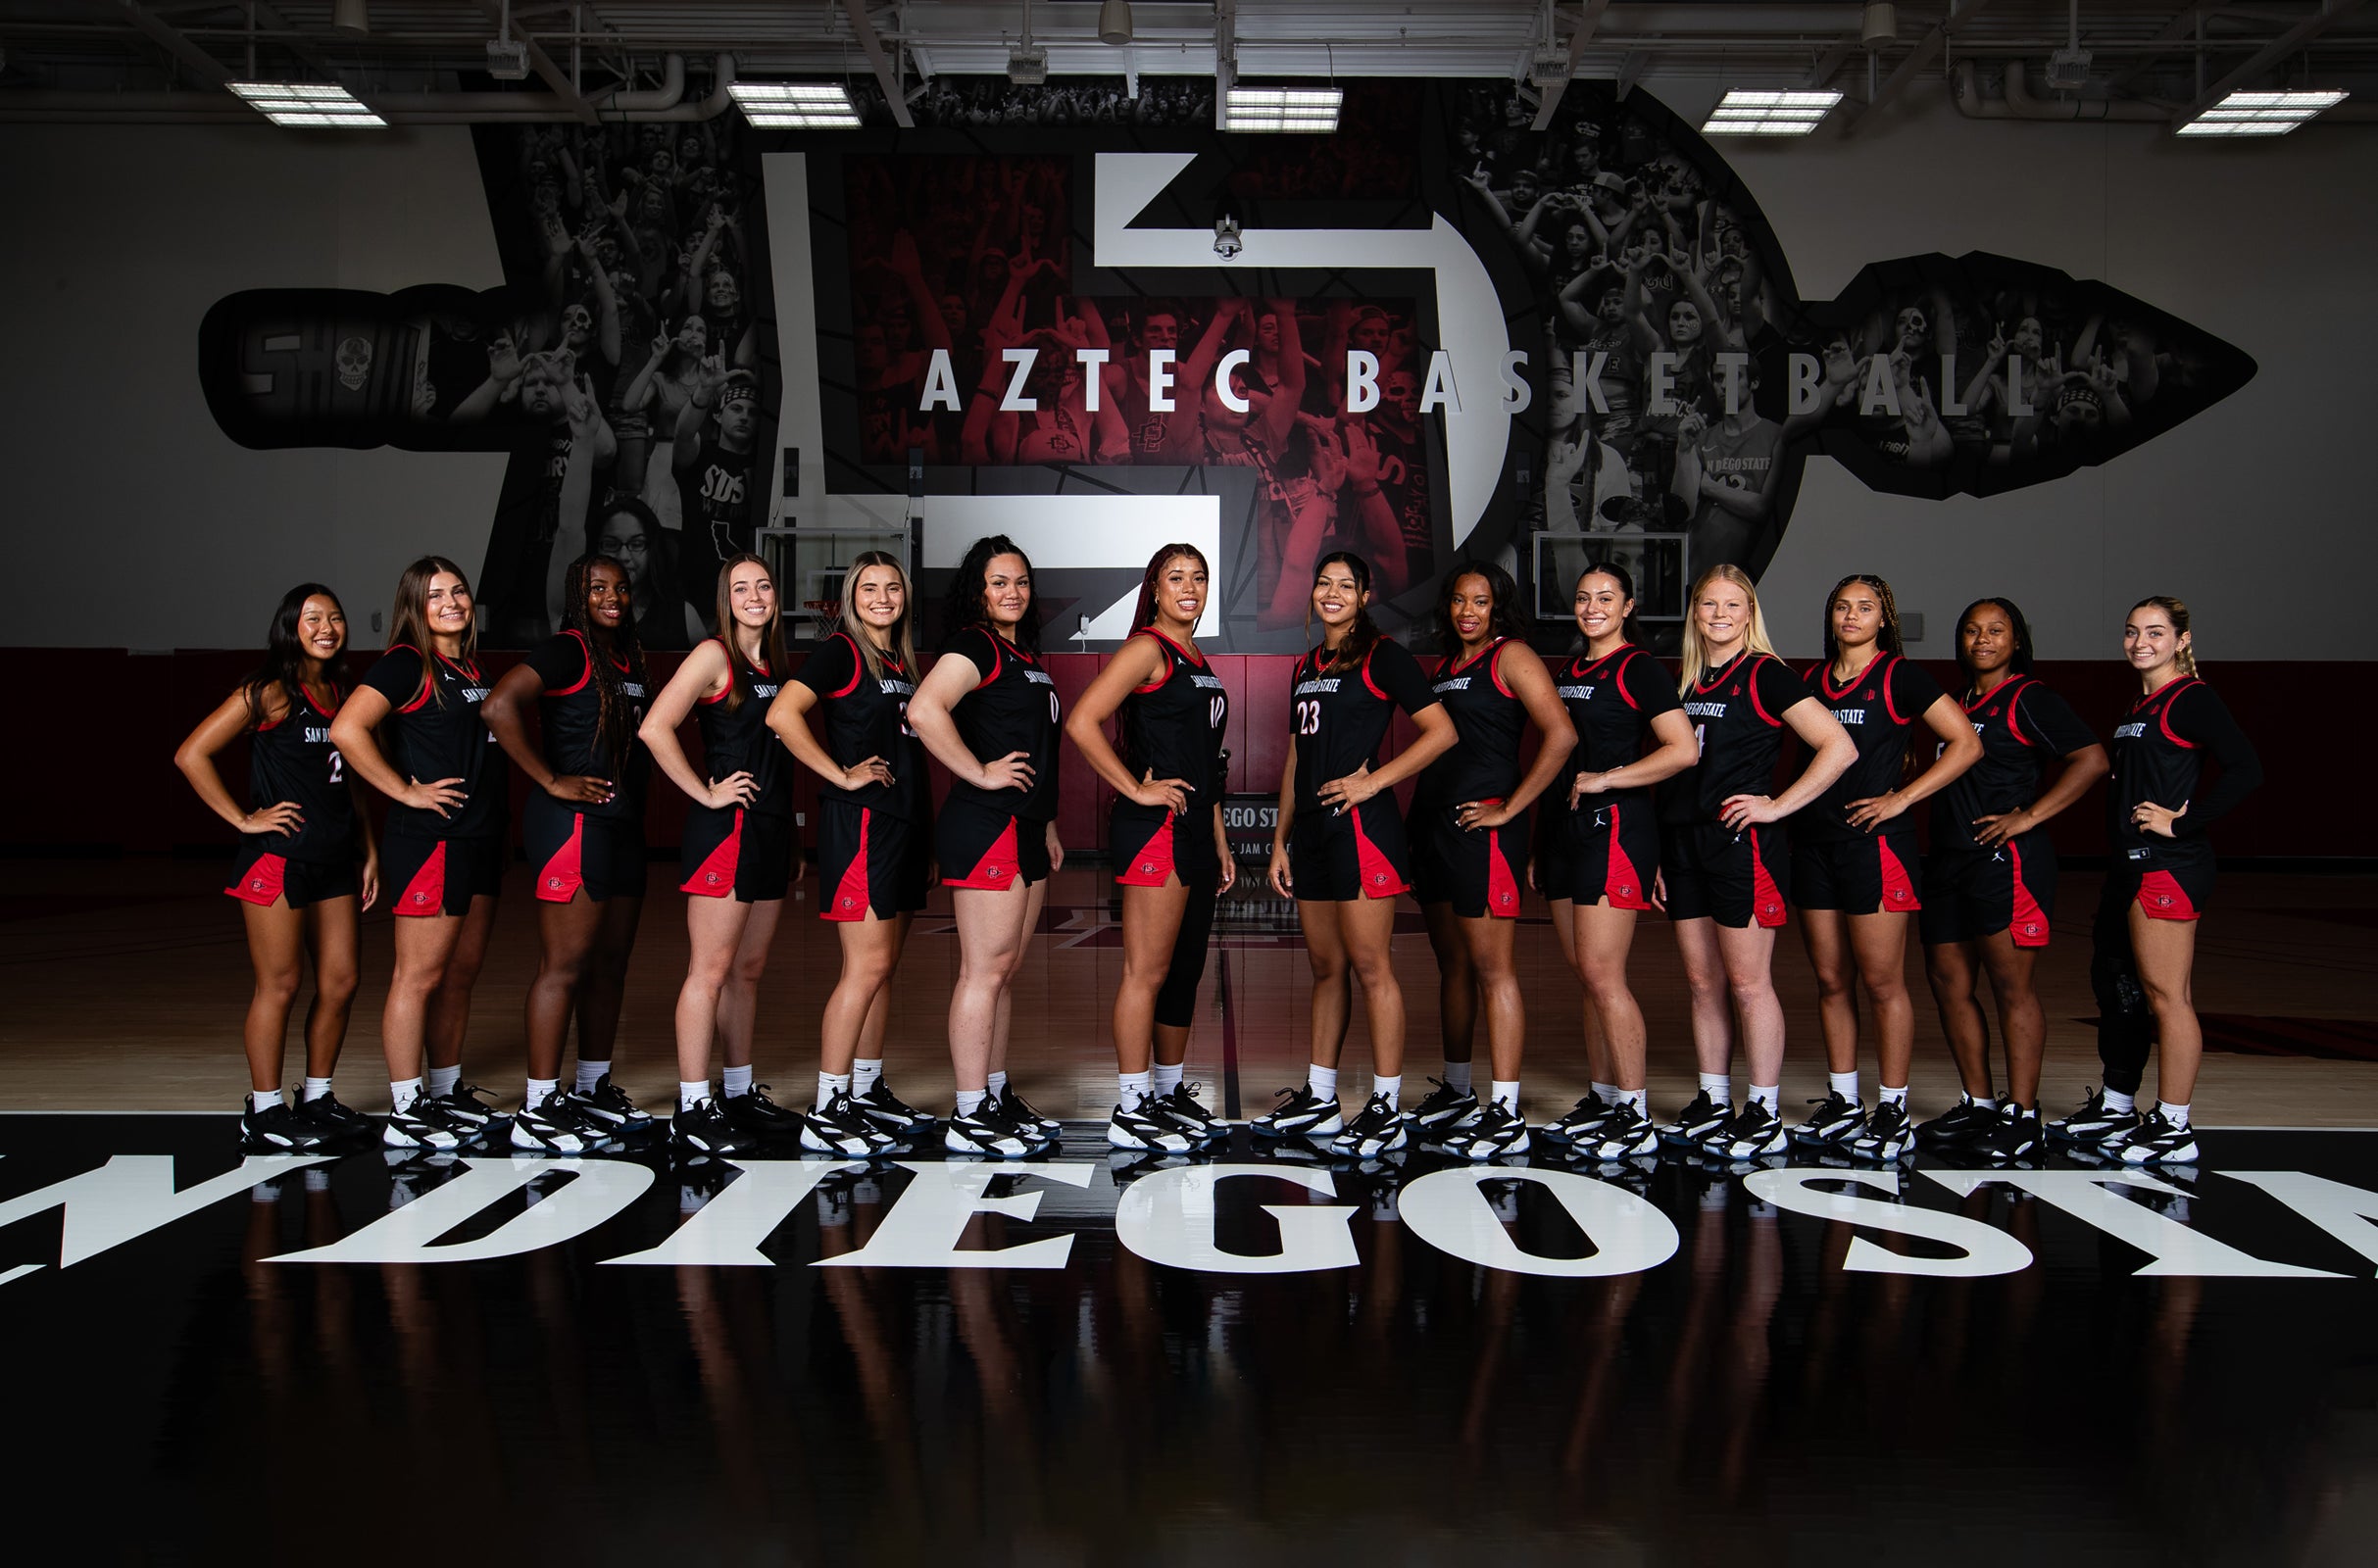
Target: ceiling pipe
point(2018, 103)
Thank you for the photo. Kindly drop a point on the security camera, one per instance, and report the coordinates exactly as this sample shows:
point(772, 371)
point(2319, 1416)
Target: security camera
point(1226, 241)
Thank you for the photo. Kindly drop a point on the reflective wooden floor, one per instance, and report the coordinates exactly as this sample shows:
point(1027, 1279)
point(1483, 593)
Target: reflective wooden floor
point(122, 983)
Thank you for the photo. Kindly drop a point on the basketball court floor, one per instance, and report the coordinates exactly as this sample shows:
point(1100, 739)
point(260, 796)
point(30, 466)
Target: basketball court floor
point(1269, 1355)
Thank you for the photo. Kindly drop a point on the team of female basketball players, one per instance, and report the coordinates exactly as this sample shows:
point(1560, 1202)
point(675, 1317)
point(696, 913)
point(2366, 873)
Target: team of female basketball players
point(1647, 791)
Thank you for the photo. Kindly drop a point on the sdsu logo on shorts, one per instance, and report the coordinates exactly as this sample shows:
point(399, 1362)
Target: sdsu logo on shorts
point(420, 898)
point(713, 878)
point(2031, 928)
point(1146, 868)
point(1505, 899)
point(849, 902)
point(1899, 896)
point(994, 870)
point(1772, 908)
point(257, 886)
point(554, 882)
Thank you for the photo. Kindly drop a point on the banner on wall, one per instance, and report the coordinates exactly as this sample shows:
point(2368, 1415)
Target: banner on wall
point(1446, 335)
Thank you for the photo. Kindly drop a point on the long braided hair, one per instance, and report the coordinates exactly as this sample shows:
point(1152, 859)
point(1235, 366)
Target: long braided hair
point(604, 651)
point(1887, 640)
point(2177, 609)
point(1143, 615)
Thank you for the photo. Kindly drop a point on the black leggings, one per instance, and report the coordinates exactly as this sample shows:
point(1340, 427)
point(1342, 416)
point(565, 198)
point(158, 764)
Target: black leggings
point(1176, 997)
point(2126, 1025)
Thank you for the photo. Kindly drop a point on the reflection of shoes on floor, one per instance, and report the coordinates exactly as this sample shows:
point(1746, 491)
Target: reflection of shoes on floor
point(414, 1171)
point(700, 1179)
point(1127, 1165)
point(1635, 1173)
point(833, 1200)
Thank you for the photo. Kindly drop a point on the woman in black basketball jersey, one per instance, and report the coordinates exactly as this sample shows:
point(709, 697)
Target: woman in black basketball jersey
point(583, 827)
point(2158, 812)
point(1600, 836)
point(1339, 850)
point(1990, 879)
point(989, 713)
point(1855, 864)
point(295, 873)
point(874, 843)
point(1724, 859)
point(738, 858)
point(443, 859)
point(1469, 847)
point(1171, 858)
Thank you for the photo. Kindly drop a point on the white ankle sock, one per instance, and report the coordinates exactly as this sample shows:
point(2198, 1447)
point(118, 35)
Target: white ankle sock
point(1507, 1095)
point(1167, 1078)
point(539, 1091)
point(691, 1094)
point(2116, 1100)
point(1607, 1093)
point(736, 1080)
point(830, 1083)
point(1767, 1094)
point(1845, 1084)
point(1894, 1097)
point(863, 1073)
point(1456, 1076)
point(1640, 1099)
point(1321, 1082)
point(1392, 1087)
point(262, 1100)
point(1981, 1103)
point(1718, 1086)
point(1134, 1087)
point(997, 1083)
point(314, 1088)
point(443, 1081)
point(970, 1100)
point(2177, 1115)
point(403, 1092)
point(590, 1073)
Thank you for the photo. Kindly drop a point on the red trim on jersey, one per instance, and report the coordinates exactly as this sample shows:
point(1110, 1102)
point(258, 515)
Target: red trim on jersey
point(2015, 720)
point(261, 884)
point(853, 899)
point(714, 877)
point(1889, 705)
point(1767, 899)
point(1752, 685)
point(720, 696)
point(426, 894)
point(328, 713)
point(998, 869)
point(2029, 925)
point(586, 649)
point(1622, 883)
point(857, 666)
point(2163, 898)
point(1502, 888)
point(2164, 719)
point(997, 659)
point(1899, 889)
point(1155, 862)
point(1159, 683)
point(1619, 675)
point(1366, 680)
point(1185, 652)
point(560, 878)
point(1823, 671)
point(428, 674)
point(1375, 873)
point(1494, 666)
point(1724, 672)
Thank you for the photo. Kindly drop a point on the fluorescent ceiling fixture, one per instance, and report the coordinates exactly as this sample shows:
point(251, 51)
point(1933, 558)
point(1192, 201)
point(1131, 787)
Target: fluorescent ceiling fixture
point(1769, 113)
point(796, 105)
point(2261, 113)
point(1305, 109)
point(306, 103)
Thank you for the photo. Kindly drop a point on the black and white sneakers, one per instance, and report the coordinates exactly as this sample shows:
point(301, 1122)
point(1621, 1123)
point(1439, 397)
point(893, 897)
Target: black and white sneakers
point(1752, 1133)
point(1042, 1129)
point(1581, 1123)
point(1888, 1136)
point(1381, 1129)
point(989, 1129)
point(1699, 1120)
point(1183, 1108)
point(839, 1127)
point(2153, 1142)
point(1623, 1134)
point(606, 1107)
point(889, 1112)
point(554, 1125)
point(1836, 1120)
point(706, 1129)
point(2093, 1123)
point(1495, 1134)
point(2012, 1133)
point(1301, 1113)
point(1144, 1125)
point(280, 1129)
point(426, 1124)
point(1445, 1109)
point(754, 1113)
point(464, 1104)
point(1958, 1126)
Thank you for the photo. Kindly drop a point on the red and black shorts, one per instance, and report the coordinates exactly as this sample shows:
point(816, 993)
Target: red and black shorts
point(981, 848)
point(1335, 857)
point(440, 876)
point(734, 854)
point(1715, 873)
point(572, 850)
point(2165, 890)
point(1151, 846)
point(1874, 875)
point(1970, 893)
point(870, 863)
point(1611, 854)
point(261, 878)
point(1479, 871)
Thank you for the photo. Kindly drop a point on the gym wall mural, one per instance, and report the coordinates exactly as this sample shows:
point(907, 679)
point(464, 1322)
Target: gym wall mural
point(1443, 334)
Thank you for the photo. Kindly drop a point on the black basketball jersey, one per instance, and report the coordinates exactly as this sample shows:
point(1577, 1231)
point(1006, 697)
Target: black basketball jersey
point(1613, 701)
point(2158, 756)
point(291, 759)
point(737, 739)
point(570, 722)
point(1340, 716)
point(1012, 708)
point(1879, 707)
point(1173, 725)
point(863, 718)
point(1737, 712)
point(2024, 729)
point(1489, 721)
point(438, 732)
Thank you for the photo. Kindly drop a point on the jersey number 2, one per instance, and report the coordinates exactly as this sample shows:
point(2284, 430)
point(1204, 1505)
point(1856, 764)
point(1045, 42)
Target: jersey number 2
point(338, 768)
